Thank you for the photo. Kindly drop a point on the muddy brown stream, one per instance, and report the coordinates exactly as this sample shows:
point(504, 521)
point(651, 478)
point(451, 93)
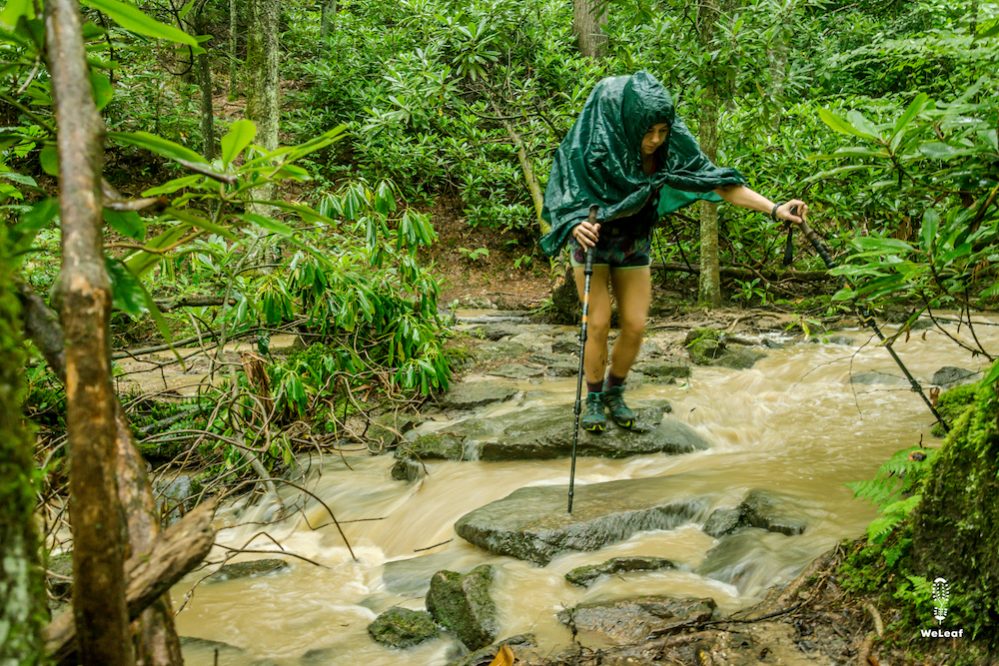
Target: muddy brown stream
point(794, 422)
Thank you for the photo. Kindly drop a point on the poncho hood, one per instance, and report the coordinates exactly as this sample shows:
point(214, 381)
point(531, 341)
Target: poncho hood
point(600, 163)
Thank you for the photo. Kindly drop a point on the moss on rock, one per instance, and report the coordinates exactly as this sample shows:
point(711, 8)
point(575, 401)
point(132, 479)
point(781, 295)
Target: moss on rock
point(462, 604)
point(402, 628)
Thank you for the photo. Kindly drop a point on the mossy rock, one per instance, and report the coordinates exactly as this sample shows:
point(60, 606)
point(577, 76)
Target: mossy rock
point(463, 605)
point(707, 346)
point(954, 532)
point(486, 655)
point(402, 628)
point(586, 575)
point(952, 403)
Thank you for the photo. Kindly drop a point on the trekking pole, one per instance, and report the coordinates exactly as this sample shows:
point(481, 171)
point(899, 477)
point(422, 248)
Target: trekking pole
point(578, 408)
point(868, 319)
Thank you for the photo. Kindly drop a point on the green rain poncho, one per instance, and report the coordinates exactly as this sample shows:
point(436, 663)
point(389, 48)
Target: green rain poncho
point(599, 162)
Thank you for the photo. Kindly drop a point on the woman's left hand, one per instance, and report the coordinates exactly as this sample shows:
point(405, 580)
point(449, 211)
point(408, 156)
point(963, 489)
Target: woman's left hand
point(795, 211)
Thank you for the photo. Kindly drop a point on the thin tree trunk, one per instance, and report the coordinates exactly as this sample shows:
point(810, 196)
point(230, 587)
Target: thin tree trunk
point(204, 66)
point(709, 281)
point(95, 512)
point(262, 64)
point(158, 644)
point(587, 24)
point(21, 592)
point(327, 24)
point(233, 52)
point(527, 169)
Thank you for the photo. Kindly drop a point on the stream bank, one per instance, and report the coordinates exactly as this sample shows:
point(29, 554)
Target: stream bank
point(805, 418)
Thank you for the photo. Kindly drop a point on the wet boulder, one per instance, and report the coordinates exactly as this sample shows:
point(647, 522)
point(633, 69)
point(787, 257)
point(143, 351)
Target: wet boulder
point(546, 433)
point(587, 575)
point(708, 346)
point(876, 377)
point(633, 620)
point(665, 371)
point(402, 628)
point(462, 604)
point(532, 523)
point(761, 509)
point(950, 375)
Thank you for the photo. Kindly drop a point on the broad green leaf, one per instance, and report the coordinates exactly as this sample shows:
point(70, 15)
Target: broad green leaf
point(13, 12)
point(101, 86)
point(140, 262)
point(239, 136)
point(158, 145)
point(268, 224)
point(928, 232)
point(939, 151)
point(130, 18)
point(194, 220)
point(862, 124)
point(186, 9)
point(49, 158)
point(126, 289)
point(18, 178)
point(993, 375)
point(36, 218)
point(305, 212)
point(841, 124)
point(128, 223)
point(172, 186)
point(911, 112)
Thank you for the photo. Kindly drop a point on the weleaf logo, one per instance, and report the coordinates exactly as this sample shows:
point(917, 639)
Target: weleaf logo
point(941, 599)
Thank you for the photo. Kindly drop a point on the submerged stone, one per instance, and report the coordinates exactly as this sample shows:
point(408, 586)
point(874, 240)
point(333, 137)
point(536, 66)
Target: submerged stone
point(632, 620)
point(462, 604)
point(586, 575)
point(533, 524)
point(877, 377)
point(402, 628)
point(665, 371)
point(251, 569)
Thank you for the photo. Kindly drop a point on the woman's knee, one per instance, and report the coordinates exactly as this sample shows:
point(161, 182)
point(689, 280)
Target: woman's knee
point(633, 328)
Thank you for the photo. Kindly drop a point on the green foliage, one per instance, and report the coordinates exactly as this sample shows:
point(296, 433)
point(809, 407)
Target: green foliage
point(894, 490)
point(952, 404)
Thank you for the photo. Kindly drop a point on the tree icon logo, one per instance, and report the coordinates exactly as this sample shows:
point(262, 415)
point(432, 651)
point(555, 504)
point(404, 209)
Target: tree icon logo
point(941, 598)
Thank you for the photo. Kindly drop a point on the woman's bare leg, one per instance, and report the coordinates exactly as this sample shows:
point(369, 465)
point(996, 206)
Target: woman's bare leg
point(598, 321)
point(633, 290)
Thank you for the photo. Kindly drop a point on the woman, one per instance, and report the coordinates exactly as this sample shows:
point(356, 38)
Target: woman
point(632, 157)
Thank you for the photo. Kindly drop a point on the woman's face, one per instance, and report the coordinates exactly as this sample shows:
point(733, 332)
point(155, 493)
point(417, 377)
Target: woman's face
point(654, 138)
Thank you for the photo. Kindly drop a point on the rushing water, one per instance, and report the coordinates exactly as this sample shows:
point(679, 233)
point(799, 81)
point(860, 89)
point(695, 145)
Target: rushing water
point(793, 423)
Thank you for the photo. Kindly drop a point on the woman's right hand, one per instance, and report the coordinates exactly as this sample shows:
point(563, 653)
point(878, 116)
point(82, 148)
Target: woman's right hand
point(586, 234)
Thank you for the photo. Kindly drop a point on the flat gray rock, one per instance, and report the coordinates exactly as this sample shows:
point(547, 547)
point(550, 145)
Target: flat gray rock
point(631, 620)
point(533, 524)
point(877, 377)
point(251, 569)
point(760, 508)
point(546, 433)
point(469, 395)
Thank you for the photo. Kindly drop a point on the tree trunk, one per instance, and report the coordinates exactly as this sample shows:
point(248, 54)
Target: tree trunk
point(21, 593)
point(327, 23)
point(204, 67)
point(233, 51)
point(715, 90)
point(95, 512)
point(262, 64)
point(588, 19)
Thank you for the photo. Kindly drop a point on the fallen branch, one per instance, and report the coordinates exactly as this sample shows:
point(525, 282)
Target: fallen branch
point(149, 575)
point(739, 272)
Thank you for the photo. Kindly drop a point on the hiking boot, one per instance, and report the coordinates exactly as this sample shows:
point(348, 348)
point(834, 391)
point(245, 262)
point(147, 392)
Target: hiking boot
point(594, 420)
point(622, 415)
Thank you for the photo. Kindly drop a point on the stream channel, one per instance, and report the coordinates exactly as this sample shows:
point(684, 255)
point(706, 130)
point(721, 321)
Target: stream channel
point(804, 420)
